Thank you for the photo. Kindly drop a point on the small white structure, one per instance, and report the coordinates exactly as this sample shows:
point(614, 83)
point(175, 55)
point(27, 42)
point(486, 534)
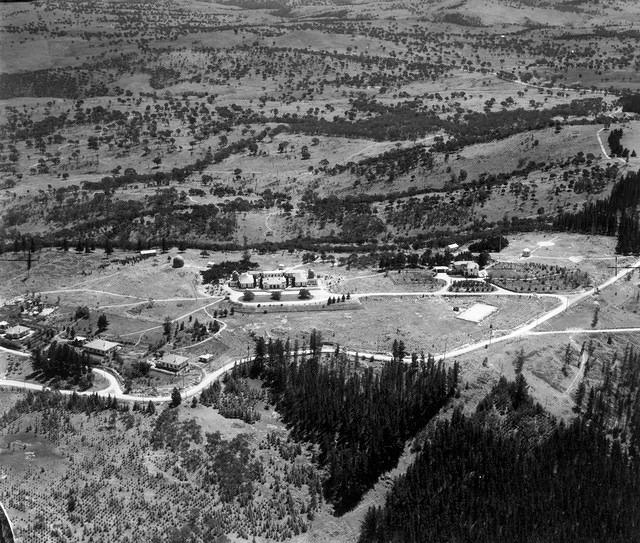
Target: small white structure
point(172, 362)
point(526, 252)
point(17, 332)
point(441, 269)
point(246, 280)
point(477, 312)
point(453, 247)
point(148, 253)
point(3, 326)
point(101, 347)
point(205, 358)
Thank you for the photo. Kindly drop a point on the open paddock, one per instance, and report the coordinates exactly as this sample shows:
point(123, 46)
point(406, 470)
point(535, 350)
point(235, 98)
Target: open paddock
point(594, 255)
point(537, 277)
point(424, 323)
point(392, 281)
point(617, 306)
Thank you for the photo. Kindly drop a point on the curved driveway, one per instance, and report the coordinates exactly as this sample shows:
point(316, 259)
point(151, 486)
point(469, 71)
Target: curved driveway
point(114, 389)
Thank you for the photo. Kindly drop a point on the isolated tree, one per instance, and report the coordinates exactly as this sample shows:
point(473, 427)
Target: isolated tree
point(579, 396)
point(568, 356)
point(102, 323)
point(176, 398)
point(304, 294)
point(276, 295)
point(518, 362)
point(594, 320)
point(248, 296)
point(167, 326)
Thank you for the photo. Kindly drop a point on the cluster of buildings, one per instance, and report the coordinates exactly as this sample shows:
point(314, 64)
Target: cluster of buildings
point(276, 279)
point(106, 350)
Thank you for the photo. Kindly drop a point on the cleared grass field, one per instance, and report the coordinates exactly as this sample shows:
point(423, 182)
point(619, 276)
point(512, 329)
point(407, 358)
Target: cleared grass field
point(594, 255)
point(426, 324)
point(617, 306)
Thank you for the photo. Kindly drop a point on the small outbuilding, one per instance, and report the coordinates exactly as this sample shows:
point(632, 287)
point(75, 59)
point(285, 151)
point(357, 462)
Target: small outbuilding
point(526, 252)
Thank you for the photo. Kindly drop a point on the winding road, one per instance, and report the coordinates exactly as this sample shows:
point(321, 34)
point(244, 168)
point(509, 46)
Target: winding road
point(114, 389)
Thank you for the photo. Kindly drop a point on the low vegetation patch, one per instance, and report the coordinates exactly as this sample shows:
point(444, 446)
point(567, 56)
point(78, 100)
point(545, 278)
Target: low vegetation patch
point(532, 276)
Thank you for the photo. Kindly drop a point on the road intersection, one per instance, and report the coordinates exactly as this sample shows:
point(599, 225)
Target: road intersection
point(565, 301)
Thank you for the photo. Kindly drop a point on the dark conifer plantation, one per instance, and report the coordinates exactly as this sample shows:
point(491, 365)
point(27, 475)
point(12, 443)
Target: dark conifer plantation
point(63, 361)
point(511, 473)
point(616, 215)
point(359, 418)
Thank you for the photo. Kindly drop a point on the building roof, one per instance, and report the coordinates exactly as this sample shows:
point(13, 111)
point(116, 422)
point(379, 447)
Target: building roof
point(18, 329)
point(276, 279)
point(101, 345)
point(245, 277)
point(4, 324)
point(149, 252)
point(299, 275)
point(173, 359)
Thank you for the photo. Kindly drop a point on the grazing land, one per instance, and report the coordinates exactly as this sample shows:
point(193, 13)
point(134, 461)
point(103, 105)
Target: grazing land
point(270, 256)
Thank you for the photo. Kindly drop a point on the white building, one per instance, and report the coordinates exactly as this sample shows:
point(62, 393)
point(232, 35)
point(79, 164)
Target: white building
point(17, 332)
point(468, 268)
point(274, 282)
point(172, 362)
point(101, 347)
point(246, 280)
point(299, 278)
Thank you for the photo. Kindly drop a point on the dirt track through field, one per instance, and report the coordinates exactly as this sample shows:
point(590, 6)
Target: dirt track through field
point(523, 330)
